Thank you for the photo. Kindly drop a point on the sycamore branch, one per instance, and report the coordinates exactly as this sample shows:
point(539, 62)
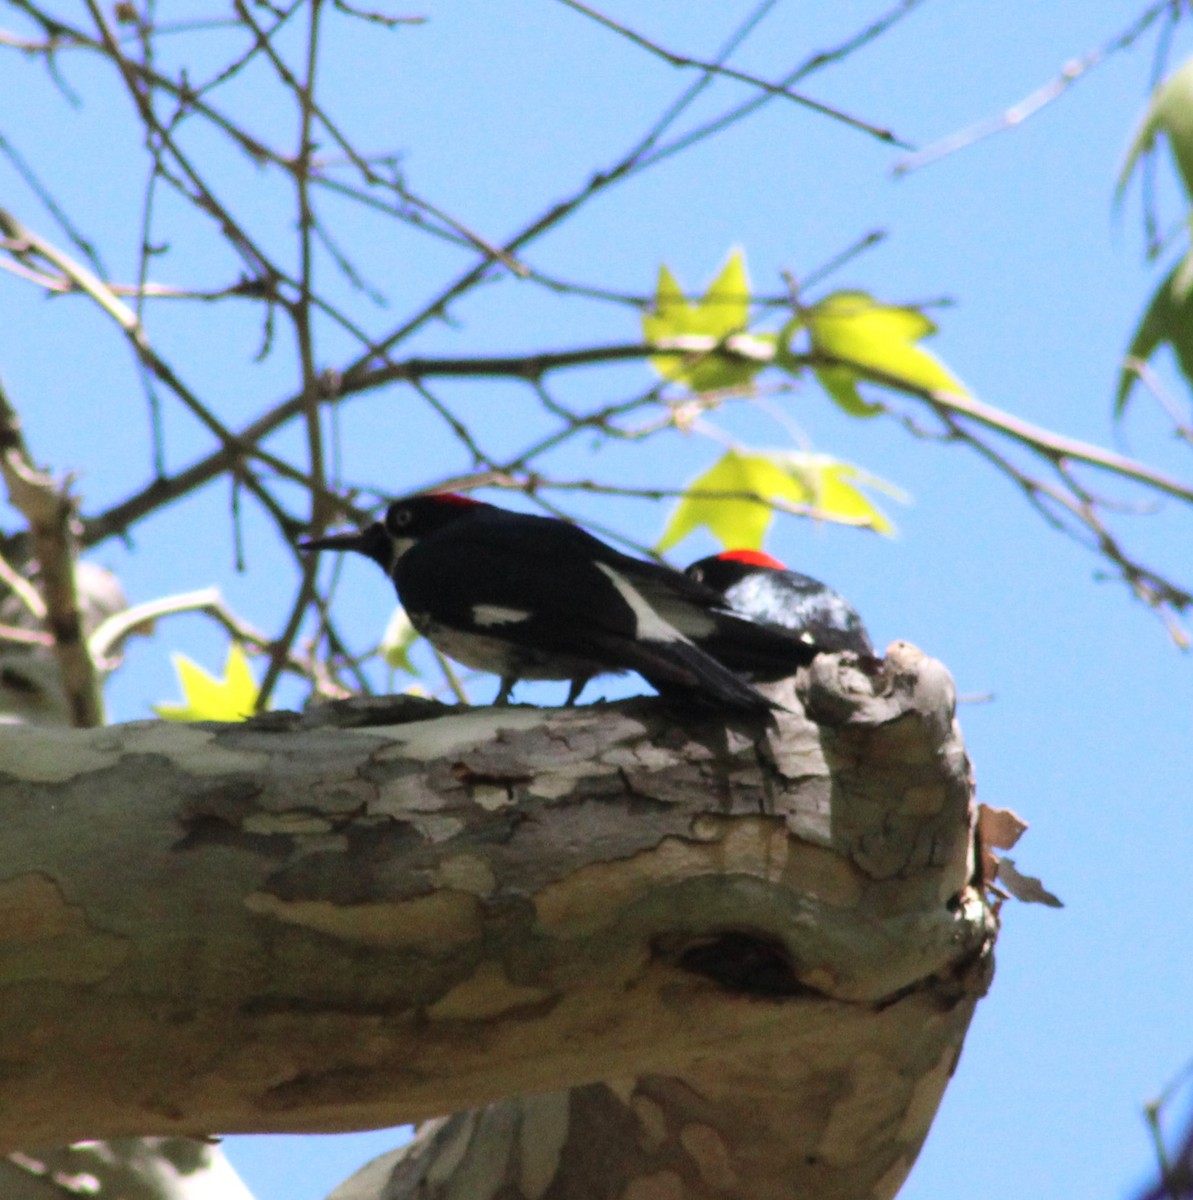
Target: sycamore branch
point(1053, 448)
point(388, 909)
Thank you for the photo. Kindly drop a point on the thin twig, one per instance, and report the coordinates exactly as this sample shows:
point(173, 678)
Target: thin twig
point(1035, 101)
point(108, 637)
point(301, 313)
point(780, 90)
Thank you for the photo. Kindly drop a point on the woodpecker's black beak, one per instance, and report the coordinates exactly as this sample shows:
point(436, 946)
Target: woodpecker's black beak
point(372, 541)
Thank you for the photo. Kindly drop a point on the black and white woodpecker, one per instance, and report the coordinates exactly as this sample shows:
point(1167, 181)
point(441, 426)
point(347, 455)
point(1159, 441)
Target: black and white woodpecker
point(530, 597)
point(816, 618)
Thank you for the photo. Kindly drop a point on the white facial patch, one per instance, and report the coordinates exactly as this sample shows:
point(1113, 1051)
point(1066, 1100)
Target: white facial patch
point(648, 624)
point(488, 615)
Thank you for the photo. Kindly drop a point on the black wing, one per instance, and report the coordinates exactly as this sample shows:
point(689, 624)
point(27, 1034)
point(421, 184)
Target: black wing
point(552, 587)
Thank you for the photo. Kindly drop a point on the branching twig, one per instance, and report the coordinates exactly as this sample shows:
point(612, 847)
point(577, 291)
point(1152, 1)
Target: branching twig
point(49, 512)
point(1052, 447)
point(105, 642)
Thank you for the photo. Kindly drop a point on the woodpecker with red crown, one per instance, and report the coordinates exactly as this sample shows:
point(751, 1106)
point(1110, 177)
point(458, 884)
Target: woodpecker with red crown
point(755, 585)
point(530, 597)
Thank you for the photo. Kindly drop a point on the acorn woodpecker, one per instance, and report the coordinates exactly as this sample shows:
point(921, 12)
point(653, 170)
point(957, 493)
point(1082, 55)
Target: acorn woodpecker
point(530, 597)
point(755, 585)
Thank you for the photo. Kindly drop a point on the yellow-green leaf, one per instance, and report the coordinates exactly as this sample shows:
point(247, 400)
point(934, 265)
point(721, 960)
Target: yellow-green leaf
point(838, 490)
point(730, 499)
point(785, 358)
point(841, 385)
point(725, 308)
point(875, 341)
point(1170, 112)
point(723, 311)
point(719, 500)
point(1167, 320)
point(207, 698)
point(671, 307)
point(396, 641)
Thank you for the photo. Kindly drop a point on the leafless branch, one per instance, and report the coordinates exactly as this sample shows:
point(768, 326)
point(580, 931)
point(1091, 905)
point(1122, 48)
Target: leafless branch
point(1041, 97)
point(48, 509)
point(779, 90)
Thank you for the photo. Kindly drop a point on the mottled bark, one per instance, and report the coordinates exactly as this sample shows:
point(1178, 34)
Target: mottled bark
point(123, 1169)
point(836, 1110)
point(388, 910)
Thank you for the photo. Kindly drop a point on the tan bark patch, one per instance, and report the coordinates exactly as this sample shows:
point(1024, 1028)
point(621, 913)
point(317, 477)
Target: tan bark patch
point(485, 994)
point(42, 936)
point(437, 921)
point(708, 1150)
point(581, 903)
point(663, 1185)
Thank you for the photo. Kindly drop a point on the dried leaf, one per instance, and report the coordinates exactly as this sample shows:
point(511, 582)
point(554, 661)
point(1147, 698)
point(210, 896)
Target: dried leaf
point(1001, 827)
point(1025, 887)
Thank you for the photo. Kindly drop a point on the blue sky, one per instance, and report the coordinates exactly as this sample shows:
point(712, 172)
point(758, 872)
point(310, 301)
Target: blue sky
point(1080, 707)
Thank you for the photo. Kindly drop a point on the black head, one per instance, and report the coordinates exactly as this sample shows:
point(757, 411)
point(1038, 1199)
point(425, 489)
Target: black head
point(415, 517)
point(722, 571)
point(404, 523)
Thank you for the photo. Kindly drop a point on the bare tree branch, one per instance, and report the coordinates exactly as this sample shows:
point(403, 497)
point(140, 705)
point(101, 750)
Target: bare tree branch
point(1041, 97)
point(50, 512)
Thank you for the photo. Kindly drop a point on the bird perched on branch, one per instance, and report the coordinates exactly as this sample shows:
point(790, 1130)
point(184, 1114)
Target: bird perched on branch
point(530, 597)
point(816, 618)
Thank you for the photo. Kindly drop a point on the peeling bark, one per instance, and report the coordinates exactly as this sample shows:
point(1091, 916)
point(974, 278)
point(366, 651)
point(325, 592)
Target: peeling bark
point(386, 910)
point(836, 1112)
point(123, 1169)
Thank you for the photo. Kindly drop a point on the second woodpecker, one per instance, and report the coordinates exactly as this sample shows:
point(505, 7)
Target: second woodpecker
point(529, 597)
point(814, 617)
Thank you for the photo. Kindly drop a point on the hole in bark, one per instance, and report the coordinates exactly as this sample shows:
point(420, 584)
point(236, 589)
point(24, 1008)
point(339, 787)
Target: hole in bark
point(741, 961)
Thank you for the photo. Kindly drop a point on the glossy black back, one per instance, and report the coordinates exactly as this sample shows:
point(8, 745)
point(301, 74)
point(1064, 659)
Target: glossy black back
point(787, 599)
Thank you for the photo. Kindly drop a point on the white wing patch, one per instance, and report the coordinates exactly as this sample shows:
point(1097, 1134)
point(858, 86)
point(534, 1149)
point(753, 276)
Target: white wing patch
point(648, 624)
point(487, 615)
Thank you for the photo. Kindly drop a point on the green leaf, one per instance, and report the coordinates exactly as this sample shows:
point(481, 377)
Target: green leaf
point(725, 308)
point(206, 698)
point(837, 486)
point(785, 358)
point(716, 502)
point(1170, 113)
point(1168, 320)
point(721, 500)
point(876, 341)
point(723, 311)
point(841, 385)
point(396, 641)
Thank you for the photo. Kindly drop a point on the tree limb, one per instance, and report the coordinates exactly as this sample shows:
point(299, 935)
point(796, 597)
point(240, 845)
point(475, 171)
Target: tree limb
point(389, 909)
